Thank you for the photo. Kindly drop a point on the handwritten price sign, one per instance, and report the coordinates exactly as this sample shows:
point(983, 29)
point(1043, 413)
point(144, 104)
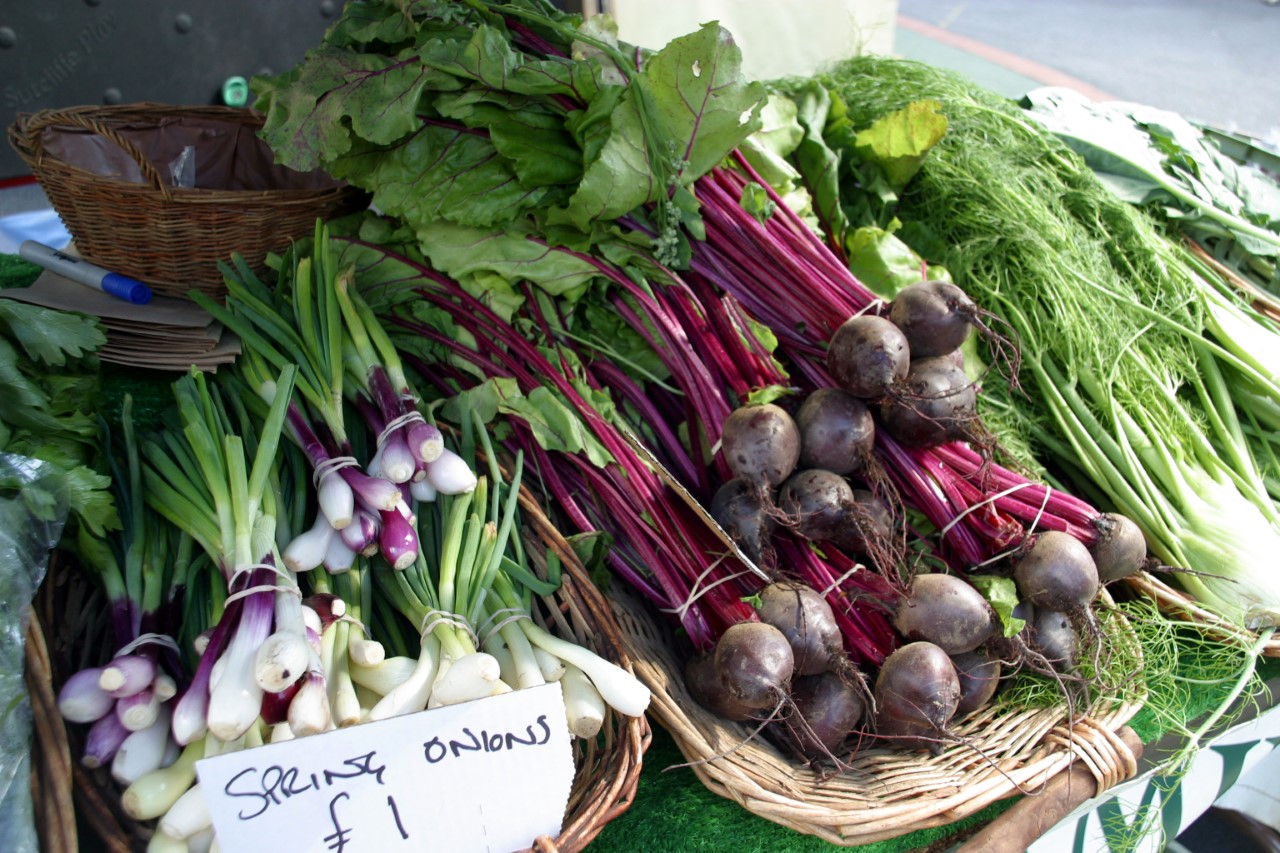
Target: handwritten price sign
point(490, 775)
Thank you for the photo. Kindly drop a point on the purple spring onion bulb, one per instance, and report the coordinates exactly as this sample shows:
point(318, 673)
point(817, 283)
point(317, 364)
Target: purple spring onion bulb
point(125, 675)
point(425, 441)
point(81, 700)
point(398, 540)
point(103, 740)
point(361, 535)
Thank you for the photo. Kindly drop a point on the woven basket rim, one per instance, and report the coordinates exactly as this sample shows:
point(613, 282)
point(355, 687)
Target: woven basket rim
point(921, 792)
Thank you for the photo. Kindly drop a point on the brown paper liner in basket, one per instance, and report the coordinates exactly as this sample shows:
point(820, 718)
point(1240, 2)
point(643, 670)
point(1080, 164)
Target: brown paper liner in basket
point(888, 792)
point(607, 767)
point(124, 214)
point(1172, 601)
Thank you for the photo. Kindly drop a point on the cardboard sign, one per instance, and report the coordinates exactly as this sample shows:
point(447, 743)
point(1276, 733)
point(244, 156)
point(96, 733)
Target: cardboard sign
point(490, 775)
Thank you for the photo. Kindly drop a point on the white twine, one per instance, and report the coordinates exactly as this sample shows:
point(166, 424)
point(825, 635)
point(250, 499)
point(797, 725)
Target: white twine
point(410, 417)
point(695, 593)
point(835, 584)
point(1032, 529)
point(488, 632)
point(432, 618)
point(150, 639)
point(875, 304)
point(354, 621)
point(245, 593)
point(992, 499)
point(329, 466)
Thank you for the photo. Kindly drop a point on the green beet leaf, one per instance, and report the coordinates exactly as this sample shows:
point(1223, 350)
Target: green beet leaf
point(439, 173)
point(318, 110)
point(463, 253)
point(1002, 595)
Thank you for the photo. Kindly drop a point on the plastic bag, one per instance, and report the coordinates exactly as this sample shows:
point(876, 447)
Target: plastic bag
point(32, 513)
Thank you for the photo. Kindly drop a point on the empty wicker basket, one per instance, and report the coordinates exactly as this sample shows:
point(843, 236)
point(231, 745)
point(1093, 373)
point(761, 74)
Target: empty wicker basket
point(163, 193)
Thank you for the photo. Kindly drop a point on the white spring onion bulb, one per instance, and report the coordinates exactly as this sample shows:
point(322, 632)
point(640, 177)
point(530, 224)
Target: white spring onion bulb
point(506, 664)
point(337, 501)
point(365, 652)
point(422, 490)
point(164, 686)
point(161, 843)
point(450, 474)
point(280, 733)
point(143, 751)
point(81, 700)
point(411, 695)
point(138, 711)
point(385, 676)
point(306, 550)
point(528, 671)
point(625, 693)
point(583, 704)
point(189, 815)
point(201, 842)
point(338, 557)
point(551, 666)
point(281, 660)
point(472, 676)
point(154, 793)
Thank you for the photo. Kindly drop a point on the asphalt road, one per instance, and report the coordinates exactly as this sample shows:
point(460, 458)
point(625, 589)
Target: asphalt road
point(1213, 61)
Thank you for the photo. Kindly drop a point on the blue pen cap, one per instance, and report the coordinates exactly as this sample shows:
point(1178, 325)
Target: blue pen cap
point(126, 288)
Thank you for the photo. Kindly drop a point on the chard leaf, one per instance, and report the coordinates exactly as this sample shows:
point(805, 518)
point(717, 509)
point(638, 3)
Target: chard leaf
point(703, 105)
point(541, 151)
point(899, 142)
point(438, 173)
point(882, 261)
point(554, 424)
point(488, 58)
point(621, 177)
point(464, 253)
point(817, 161)
point(688, 109)
point(1002, 595)
point(319, 109)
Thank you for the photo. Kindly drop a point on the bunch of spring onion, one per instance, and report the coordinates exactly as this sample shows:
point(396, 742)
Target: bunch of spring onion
point(312, 318)
point(468, 597)
point(143, 571)
point(211, 479)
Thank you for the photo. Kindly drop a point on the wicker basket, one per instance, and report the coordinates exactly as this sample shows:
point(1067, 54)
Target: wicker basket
point(888, 792)
point(608, 767)
point(1177, 603)
point(126, 217)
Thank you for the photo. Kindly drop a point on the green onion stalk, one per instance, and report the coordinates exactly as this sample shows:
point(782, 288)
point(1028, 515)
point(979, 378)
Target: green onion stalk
point(1128, 391)
point(211, 479)
point(143, 570)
